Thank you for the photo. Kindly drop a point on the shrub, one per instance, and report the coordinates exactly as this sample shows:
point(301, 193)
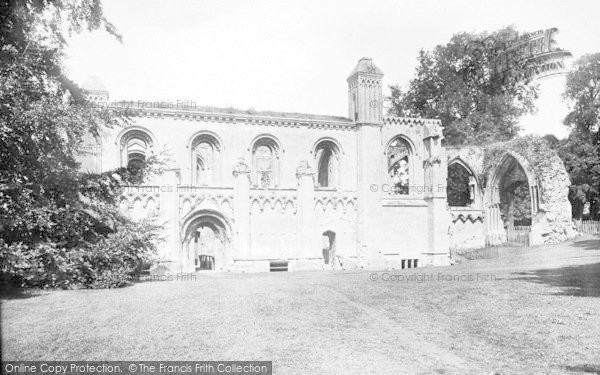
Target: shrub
point(113, 261)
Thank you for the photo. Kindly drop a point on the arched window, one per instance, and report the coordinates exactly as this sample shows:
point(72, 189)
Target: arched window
point(265, 163)
point(136, 154)
point(327, 158)
point(135, 147)
point(398, 154)
point(205, 160)
point(461, 186)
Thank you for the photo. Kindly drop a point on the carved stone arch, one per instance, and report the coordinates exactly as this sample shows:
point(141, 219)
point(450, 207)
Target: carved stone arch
point(319, 206)
point(212, 216)
point(131, 133)
point(289, 204)
point(210, 135)
point(465, 165)
point(205, 161)
point(350, 205)
point(278, 205)
point(265, 136)
point(186, 206)
point(259, 202)
point(396, 171)
point(138, 130)
point(266, 173)
point(254, 203)
point(226, 200)
point(330, 205)
point(191, 228)
point(405, 138)
point(498, 173)
point(327, 163)
point(473, 182)
point(524, 163)
point(498, 201)
point(333, 141)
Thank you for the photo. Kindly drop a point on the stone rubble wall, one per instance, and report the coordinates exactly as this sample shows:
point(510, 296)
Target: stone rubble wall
point(553, 223)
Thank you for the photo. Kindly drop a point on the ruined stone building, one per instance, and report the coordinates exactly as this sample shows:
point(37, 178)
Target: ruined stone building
point(250, 191)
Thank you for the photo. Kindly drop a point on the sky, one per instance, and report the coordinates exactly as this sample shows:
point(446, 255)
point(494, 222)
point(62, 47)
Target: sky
point(295, 56)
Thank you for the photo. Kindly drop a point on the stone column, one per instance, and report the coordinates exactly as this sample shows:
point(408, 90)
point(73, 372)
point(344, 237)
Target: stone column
point(438, 217)
point(171, 249)
point(308, 240)
point(370, 163)
point(241, 210)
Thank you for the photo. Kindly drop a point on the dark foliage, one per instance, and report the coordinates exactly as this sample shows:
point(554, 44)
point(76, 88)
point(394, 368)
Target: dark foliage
point(59, 227)
point(457, 84)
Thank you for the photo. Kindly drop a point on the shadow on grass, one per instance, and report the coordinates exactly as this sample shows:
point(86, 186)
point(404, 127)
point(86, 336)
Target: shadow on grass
point(580, 281)
point(8, 294)
point(591, 244)
point(587, 369)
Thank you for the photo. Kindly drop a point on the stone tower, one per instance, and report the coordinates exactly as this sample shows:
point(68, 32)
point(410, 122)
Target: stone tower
point(366, 110)
point(365, 93)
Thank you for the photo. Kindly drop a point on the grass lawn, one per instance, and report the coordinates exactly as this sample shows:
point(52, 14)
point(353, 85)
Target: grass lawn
point(532, 311)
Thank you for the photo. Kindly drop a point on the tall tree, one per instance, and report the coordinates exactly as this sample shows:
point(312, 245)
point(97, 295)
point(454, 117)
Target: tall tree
point(58, 226)
point(583, 91)
point(581, 150)
point(458, 84)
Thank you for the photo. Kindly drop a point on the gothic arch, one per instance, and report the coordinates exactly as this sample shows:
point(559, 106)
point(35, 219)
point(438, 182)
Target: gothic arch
point(192, 253)
point(327, 162)
point(135, 128)
point(205, 149)
point(134, 142)
point(512, 187)
point(327, 139)
point(266, 136)
point(209, 133)
point(265, 151)
point(472, 182)
point(209, 215)
point(498, 173)
point(465, 165)
point(400, 167)
point(405, 138)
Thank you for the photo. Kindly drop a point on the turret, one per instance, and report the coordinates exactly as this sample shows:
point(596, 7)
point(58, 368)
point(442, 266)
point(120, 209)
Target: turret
point(365, 96)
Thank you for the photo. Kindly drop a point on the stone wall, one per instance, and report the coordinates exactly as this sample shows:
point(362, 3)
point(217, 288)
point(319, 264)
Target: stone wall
point(548, 182)
point(554, 204)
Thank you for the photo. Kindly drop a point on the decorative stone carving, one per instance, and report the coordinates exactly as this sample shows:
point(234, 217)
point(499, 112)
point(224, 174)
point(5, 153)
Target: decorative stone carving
point(431, 161)
point(304, 169)
point(432, 130)
point(342, 204)
point(287, 203)
point(191, 202)
point(240, 167)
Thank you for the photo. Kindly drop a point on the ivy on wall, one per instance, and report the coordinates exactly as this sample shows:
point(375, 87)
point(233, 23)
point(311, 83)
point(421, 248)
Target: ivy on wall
point(532, 148)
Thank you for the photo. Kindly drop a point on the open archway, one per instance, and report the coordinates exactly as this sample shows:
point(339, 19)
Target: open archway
point(328, 238)
point(511, 202)
point(206, 241)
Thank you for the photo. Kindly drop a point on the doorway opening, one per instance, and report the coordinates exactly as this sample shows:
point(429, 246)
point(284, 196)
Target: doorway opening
point(328, 239)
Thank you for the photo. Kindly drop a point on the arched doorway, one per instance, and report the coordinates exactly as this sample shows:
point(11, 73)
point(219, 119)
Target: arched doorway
point(206, 242)
point(328, 238)
point(511, 203)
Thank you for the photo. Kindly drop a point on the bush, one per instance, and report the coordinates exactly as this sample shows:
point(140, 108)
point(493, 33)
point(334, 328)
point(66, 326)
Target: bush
point(112, 262)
